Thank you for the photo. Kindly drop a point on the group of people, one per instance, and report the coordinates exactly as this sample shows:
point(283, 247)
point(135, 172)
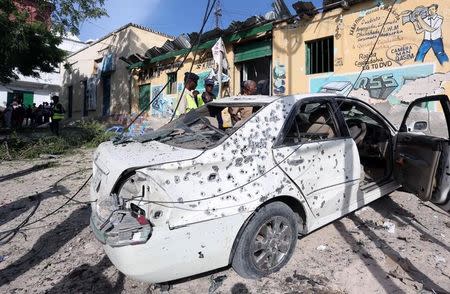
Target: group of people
point(16, 115)
point(192, 98)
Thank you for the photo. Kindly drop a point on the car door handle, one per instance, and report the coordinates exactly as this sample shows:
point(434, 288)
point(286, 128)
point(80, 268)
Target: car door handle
point(407, 139)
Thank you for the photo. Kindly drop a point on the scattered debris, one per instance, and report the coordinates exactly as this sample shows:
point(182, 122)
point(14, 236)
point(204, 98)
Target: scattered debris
point(49, 156)
point(3, 257)
point(322, 247)
point(439, 259)
point(390, 227)
point(216, 283)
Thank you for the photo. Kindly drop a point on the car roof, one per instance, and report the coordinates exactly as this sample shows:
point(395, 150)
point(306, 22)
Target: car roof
point(263, 99)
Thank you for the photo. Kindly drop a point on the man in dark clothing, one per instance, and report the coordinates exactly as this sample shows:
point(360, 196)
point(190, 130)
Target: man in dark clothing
point(209, 96)
point(57, 115)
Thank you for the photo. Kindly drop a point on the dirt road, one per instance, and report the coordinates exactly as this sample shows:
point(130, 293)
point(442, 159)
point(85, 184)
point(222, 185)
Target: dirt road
point(395, 245)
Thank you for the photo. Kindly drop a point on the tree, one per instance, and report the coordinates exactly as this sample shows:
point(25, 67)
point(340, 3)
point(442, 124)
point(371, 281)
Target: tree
point(31, 30)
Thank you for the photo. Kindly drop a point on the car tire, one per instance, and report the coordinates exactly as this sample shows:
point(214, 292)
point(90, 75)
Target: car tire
point(267, 242)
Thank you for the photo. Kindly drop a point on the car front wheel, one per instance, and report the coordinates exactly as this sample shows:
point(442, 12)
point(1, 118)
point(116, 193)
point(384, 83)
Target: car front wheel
point(267, 242)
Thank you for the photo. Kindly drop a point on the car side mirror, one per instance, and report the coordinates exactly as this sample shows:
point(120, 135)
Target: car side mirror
point(418, 126)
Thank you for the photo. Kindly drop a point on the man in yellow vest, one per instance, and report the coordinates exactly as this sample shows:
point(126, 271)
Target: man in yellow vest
point(188, 101)
point(57, 115)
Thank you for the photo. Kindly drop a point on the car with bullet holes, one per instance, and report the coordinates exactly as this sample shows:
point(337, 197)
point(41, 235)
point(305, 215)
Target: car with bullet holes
point(194, 196)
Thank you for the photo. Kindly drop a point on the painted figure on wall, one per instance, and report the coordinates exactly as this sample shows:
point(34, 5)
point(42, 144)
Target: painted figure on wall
point(426, 20)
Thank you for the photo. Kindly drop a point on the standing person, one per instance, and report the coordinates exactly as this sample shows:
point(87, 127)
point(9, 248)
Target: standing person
point(209, 96)
point(7, 116)
point(47, 111)
point(57, 115)
point(241, 113)
point(188, 100)
point(432, 28)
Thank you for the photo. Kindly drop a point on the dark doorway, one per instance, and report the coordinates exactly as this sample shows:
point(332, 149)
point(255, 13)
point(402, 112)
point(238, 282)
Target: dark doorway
point(259, 71)
point(106, 80)
point(70, 98)
point(22, 97)
point(85, 99)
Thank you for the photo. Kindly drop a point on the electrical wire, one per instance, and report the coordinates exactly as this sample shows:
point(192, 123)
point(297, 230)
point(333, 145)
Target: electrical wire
point(9, 234)
point(205, 19)
point(296, 149)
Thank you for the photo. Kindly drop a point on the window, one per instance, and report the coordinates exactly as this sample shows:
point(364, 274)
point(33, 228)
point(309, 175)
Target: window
point(309, 122)
point(427, 118)
point(363, 125)
point(144, 97)
point(320, 56)
point(172, 86)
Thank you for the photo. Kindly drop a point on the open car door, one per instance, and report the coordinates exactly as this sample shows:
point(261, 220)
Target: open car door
point(421, 150)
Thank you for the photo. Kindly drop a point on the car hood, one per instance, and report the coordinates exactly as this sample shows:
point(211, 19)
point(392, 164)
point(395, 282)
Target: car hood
point(110, 160)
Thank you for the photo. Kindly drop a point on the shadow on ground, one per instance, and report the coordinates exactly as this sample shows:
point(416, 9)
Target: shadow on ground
point(93, 280)
point(47, 245)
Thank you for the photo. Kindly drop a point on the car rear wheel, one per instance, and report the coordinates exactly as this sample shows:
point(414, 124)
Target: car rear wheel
point(267, 242)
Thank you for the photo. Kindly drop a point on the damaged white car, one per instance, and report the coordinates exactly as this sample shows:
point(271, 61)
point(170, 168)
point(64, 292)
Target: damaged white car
point(193, 196)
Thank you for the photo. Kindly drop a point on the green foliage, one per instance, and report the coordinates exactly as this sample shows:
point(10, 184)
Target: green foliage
point(31, 145)
point(29, 42)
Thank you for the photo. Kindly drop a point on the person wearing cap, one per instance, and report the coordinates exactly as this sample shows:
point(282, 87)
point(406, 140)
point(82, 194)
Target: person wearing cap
point(208, 95)
point(188, 100)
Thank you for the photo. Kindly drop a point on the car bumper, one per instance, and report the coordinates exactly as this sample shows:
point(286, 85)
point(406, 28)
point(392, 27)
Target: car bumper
point(178, 253)
point(121, 229)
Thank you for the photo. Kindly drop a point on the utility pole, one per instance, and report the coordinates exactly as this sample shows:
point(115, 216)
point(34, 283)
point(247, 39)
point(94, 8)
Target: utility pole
point(218, 13)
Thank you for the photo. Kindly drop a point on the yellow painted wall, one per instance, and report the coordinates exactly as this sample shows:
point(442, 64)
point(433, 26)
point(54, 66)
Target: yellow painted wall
point(392, 76)
point(203, 63)
point(122, 43)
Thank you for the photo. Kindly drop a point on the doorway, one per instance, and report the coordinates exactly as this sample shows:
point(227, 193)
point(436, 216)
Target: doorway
point(258, 70)
point(106, 81)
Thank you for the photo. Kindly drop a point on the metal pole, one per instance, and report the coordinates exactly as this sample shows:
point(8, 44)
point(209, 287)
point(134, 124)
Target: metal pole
point(219, 75)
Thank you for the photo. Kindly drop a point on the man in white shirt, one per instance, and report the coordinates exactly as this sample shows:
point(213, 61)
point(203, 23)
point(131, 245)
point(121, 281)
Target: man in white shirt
point(432, 28)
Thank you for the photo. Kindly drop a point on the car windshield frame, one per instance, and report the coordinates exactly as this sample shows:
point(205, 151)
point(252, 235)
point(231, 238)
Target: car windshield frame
point(180, 131)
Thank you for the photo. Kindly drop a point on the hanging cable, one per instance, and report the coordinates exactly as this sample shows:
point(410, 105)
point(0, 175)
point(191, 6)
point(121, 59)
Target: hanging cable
point(295, 150)
point(205, 19)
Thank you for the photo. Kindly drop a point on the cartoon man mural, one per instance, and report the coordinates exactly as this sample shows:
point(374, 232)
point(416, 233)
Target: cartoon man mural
point(431, 24)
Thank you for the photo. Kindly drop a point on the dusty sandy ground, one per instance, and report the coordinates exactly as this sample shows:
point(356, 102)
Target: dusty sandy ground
point(395, 245)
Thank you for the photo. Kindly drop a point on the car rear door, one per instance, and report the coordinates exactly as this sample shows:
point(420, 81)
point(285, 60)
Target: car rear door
point(316, 152)
point(421, 150)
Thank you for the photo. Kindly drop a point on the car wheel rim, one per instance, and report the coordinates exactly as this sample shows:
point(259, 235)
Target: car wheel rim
point(272, 243)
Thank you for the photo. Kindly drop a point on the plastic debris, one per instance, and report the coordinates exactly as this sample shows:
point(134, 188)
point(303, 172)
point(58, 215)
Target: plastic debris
point(439, 259)
point(3, 257)
point(390, 227)
point(322, 248)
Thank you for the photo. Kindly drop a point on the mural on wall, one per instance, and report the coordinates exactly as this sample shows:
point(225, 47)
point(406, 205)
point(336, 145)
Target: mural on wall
point(366, 28)
point(376, 86)
point(426, 20)
point(180, 86)
point(401, 53)
point(279, 79)
point(163, 105)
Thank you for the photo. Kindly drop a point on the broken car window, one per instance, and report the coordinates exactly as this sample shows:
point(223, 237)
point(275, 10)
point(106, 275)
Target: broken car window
point(201, 128)
point(312, 121)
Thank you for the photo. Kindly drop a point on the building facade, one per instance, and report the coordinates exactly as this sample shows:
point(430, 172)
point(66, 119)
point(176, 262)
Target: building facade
point(96, 81)
point(248, 55)
point(324, 52)
point(31, 90)
point(329, 53)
